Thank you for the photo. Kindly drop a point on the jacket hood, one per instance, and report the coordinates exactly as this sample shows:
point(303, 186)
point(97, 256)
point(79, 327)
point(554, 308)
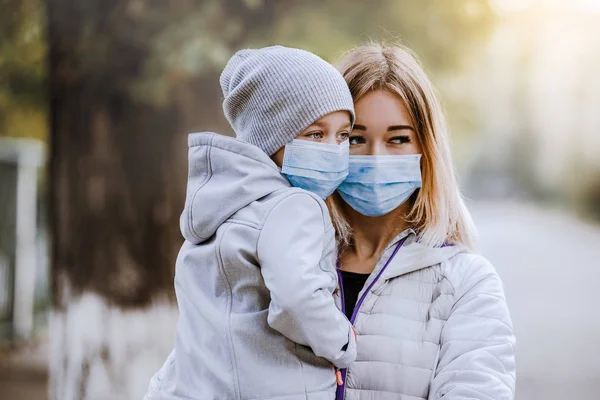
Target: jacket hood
point(414, 255)
point(224, 176)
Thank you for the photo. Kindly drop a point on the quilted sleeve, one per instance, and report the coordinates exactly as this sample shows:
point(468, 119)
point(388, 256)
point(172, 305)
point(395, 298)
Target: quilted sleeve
point(477, 359)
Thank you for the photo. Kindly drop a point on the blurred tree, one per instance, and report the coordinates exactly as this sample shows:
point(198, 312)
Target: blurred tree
point(128, 79)
point(117, 176)
point(443, 34)
point(22, 69)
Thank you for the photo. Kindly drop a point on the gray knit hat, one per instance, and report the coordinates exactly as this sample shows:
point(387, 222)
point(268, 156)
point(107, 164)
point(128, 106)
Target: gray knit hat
point(273, 94)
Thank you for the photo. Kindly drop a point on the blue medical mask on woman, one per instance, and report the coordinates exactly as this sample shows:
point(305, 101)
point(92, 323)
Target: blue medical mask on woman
point(316, 167)
point(377, 185)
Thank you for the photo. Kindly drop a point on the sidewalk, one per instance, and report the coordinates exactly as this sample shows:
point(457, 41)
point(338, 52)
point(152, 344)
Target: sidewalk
point(23, 374)
point(548, 261)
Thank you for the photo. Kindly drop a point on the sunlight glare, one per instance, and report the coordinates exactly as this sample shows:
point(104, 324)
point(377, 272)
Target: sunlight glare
point(519, 5)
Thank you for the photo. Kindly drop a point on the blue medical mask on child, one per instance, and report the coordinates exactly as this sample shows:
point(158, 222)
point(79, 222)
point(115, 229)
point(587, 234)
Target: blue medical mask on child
point(377, 185)
point(316, 167)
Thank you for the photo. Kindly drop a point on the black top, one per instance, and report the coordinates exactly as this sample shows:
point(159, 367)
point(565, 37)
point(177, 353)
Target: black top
point(352, 284)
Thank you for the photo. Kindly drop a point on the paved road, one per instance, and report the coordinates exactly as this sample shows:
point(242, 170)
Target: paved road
point(550, 265)
point(23, 374)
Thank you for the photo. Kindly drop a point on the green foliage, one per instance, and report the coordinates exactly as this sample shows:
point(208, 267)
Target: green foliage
point(199, 42)
point(190, 41)
point(22, 69)
point(442, 32)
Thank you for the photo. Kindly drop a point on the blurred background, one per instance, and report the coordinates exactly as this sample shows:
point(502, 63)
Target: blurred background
point(96, 100)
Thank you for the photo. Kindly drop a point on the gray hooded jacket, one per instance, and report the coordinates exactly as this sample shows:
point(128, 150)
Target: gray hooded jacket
point(254, 282)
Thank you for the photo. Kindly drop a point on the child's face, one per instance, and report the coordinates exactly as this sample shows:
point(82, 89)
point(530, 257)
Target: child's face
point(332, 128)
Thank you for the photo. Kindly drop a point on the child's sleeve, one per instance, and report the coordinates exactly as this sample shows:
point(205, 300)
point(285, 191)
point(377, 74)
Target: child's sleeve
point(302, 308)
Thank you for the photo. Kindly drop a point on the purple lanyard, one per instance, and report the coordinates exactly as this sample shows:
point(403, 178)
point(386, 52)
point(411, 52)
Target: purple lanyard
point(339, 394)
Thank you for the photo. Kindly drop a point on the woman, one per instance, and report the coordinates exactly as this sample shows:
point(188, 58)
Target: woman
point(430, 315)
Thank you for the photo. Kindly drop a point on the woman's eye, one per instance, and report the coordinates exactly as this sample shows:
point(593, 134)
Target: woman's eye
point(315, 135)
point(356, 140)
point(400, 139)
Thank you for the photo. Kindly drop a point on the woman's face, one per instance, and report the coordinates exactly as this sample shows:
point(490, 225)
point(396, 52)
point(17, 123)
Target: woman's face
point(383, 126)
point(332, 128)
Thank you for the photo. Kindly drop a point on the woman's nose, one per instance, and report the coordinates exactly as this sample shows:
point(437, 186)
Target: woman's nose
point(376, 149)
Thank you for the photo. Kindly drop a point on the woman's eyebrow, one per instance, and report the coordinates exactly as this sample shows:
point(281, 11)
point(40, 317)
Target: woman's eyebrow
point(392, 128)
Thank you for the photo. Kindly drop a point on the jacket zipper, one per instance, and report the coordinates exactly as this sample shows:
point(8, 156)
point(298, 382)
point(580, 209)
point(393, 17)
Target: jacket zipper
point(339, 394)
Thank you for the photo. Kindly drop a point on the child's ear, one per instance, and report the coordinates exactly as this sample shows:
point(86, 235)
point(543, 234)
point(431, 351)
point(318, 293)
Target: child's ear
point(277, 157)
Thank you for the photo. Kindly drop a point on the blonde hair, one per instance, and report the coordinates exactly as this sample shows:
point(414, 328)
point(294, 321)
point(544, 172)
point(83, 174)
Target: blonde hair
point(343, 232)
point(438, 212)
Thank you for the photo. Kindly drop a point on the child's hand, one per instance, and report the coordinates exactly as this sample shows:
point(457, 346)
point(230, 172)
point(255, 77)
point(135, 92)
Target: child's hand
point(338, 373)
point(338, 377)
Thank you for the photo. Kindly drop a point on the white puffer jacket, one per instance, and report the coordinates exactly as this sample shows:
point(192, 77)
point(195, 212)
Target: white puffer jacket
point(432, 325)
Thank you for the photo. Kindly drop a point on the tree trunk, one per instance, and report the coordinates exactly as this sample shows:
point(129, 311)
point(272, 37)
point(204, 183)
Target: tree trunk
point(120, 111)
point(117, 176)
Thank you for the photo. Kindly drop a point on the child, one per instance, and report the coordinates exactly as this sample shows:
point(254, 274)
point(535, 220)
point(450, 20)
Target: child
point(255, 276)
